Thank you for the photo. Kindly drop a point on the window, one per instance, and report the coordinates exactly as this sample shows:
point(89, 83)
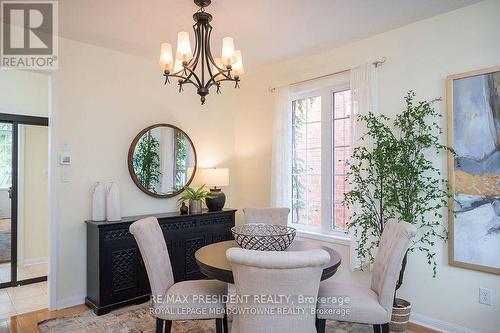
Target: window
point(341, 152)
point(321, 143)
point(306, 161)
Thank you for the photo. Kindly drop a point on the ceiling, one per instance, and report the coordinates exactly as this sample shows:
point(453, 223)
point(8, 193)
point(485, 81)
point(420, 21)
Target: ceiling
point(267, 31)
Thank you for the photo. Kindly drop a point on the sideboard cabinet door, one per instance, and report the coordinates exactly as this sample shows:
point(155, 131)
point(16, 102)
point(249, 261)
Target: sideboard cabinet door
point(121, 266)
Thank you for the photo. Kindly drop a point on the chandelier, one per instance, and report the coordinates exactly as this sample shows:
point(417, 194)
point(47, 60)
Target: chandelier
point(200, 68)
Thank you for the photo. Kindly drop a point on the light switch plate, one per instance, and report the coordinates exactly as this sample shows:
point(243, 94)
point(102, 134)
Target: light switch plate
point(65, 176)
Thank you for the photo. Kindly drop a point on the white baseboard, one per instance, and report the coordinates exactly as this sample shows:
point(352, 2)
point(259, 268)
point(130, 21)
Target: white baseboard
point(35, 261)
point(438, 325)
point(69, 302)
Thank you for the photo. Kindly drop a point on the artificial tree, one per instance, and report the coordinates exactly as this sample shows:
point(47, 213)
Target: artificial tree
point(392, 176)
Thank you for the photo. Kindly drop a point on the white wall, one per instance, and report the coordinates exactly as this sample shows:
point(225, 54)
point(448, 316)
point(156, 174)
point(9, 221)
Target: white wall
point(24, 92)
point(103, 99)
point(420, 56)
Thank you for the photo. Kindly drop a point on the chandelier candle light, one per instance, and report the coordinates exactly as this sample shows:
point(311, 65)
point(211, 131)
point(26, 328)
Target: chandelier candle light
point(200, 68)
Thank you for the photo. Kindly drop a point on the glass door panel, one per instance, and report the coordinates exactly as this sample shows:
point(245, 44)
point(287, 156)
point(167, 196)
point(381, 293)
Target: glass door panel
point(32, 202)
point(5, 202)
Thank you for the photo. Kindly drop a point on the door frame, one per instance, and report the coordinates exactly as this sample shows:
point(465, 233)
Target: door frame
point(17, 120)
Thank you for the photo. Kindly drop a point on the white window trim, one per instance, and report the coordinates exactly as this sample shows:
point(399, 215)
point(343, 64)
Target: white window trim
point(324, 88)
point(334, 237)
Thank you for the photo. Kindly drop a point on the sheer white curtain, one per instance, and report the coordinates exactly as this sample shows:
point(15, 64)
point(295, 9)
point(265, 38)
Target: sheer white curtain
point(363, 84)
point(281, 177)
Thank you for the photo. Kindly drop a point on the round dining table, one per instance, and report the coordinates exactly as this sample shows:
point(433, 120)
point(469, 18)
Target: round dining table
point(213, 263)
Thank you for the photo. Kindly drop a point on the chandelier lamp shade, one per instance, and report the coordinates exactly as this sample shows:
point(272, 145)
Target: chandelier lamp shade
point(199, 67)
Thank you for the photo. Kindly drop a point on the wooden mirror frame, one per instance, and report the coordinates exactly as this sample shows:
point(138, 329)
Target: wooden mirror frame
point(131, 162)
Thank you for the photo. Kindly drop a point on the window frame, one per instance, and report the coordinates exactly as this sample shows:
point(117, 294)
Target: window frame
point(325, 88)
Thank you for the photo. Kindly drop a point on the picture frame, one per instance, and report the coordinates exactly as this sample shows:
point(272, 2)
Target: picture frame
point(473, 103)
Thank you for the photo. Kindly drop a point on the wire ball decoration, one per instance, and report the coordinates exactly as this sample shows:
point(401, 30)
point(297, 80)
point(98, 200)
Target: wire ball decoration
point(263, 237)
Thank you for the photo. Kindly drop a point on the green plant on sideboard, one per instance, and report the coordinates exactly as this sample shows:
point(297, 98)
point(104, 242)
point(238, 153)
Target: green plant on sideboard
point(191, 194)
point(195, 198)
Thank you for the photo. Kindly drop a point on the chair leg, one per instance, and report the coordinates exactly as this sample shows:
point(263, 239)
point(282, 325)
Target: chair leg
point(224, 323)
point(159, 325)
point(385, 328)
point(376, 328)
point(218, 325)
point(320, 325)
point(168, 326)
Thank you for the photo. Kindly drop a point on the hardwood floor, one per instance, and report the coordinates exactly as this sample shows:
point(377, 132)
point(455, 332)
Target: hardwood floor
point(27, 323)
point(414, 328)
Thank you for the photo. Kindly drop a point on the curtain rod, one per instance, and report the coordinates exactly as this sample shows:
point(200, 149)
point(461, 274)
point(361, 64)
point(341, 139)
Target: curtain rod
point(376, 63)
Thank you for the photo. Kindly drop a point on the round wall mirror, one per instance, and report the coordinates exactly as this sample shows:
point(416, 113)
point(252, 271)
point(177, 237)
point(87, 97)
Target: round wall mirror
point(162, 160)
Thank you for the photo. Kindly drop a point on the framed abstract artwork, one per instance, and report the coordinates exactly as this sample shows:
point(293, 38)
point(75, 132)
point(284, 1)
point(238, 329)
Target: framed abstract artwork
point(474, 172)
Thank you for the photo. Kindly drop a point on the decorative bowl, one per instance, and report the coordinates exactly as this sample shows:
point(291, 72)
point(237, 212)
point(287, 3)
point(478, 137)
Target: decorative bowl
point(263, 237)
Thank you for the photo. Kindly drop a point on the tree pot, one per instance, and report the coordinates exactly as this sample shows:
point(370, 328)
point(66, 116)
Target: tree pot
point(194, 206)
point(400, 315)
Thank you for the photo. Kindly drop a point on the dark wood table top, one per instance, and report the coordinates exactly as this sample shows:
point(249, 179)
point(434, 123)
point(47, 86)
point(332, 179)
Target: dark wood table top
point(213, 263)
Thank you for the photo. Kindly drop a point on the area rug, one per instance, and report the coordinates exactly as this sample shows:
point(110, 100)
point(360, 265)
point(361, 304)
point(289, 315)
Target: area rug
point(136, 319)
point(5, 238)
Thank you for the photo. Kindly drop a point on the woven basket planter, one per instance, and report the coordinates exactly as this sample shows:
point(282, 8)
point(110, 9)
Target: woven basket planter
point(400, 316)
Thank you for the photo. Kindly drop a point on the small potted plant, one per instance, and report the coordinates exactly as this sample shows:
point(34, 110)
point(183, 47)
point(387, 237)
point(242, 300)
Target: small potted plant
point(195, 198)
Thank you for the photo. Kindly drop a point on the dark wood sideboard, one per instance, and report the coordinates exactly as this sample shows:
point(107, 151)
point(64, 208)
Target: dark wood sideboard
point(116, 275)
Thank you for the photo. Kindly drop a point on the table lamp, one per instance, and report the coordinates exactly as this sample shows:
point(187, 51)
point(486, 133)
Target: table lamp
point(216, 178)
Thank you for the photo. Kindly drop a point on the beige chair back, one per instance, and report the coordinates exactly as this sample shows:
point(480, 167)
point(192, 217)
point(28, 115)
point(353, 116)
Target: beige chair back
point(276, 273)
point(267, 215)
point(394, 243)
point(149, 237)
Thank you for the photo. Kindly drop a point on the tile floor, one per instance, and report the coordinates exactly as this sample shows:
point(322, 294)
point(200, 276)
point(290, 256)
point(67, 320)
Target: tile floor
point(23, 273)
point(23, 299)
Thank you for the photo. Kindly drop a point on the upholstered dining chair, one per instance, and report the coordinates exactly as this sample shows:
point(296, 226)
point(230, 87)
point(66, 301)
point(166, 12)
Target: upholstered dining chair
point(267, 215)
point(171, 300)
point(369, 305)
point(266, 274)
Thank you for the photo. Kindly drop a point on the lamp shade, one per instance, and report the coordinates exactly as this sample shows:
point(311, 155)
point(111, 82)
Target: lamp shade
point(166, 58)
point(184, 52)
point(216, 177)
point(238, 65)
point(228, 53)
